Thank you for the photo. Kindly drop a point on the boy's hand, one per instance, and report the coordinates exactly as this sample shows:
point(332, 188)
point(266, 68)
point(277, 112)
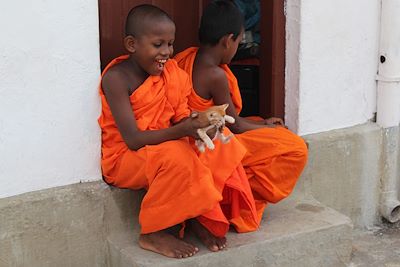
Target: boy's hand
point(274, 122)
point(191, 124)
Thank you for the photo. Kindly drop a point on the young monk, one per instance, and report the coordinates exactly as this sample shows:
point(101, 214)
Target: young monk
point(145, 144)
point(275, 156)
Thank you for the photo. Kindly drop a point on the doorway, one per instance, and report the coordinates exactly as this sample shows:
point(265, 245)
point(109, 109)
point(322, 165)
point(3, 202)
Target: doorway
point(268, 84)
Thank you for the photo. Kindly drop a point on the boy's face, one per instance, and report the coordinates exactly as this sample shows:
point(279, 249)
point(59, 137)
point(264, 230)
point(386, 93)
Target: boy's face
point(232, 47)
point(155, 46)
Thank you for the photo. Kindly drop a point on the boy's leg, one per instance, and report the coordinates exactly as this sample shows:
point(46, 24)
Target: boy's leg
point(172, 174)
point(237, 208)
point(130, 173)
point(275, 159)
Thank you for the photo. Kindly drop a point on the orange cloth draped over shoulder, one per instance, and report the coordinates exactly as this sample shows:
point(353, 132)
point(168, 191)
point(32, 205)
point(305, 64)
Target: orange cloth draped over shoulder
point(275, 157)
point(180, 184)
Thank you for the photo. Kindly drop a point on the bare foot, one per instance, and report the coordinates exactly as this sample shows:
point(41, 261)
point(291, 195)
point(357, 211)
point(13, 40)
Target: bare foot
point(167, 245)
point(212, 242)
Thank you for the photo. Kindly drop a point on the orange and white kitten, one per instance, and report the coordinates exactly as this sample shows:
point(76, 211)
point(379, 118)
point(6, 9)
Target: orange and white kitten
point(216, 116)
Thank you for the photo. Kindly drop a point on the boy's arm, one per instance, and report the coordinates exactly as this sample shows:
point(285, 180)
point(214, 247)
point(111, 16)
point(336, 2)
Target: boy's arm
point(220, 93)
point(117, 95)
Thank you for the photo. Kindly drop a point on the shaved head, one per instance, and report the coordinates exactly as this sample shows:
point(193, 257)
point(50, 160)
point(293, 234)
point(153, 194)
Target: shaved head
point(140, 16)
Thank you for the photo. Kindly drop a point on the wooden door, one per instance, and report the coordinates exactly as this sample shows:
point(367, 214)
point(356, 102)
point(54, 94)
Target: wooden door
point(186, 14)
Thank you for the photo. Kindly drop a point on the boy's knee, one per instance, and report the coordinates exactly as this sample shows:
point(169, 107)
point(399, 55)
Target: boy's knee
point(300, 148)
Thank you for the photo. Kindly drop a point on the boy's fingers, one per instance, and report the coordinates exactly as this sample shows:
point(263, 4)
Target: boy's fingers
point(275, 121)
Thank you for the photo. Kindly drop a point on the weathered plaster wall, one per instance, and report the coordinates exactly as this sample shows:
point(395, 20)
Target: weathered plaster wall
point(332, 59)
point(49, 71)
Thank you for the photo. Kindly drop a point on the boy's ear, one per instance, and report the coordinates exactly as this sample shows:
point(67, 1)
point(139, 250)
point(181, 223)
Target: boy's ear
point(129, 43)
point(225, 40)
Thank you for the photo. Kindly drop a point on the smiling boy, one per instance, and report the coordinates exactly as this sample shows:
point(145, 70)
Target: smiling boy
point(145, 126)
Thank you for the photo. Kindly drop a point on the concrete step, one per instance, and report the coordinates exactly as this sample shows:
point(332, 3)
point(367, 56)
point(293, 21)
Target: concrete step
point(377, 246)
point(295, 232)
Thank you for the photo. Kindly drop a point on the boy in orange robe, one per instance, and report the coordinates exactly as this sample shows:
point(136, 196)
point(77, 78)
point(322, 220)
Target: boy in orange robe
point(145, 127)
point(275, 156)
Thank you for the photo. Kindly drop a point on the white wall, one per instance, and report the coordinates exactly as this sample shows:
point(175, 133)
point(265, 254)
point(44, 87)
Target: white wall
point(49, 72)
point(332, 59)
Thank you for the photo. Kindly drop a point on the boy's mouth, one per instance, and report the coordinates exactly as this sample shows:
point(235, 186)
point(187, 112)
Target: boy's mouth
point(161, 63)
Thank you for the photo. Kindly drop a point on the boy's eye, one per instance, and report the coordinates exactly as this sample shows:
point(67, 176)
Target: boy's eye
point(170, 44)
point(157, 44)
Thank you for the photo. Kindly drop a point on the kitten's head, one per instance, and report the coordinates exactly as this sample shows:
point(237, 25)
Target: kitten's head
point(216, 113)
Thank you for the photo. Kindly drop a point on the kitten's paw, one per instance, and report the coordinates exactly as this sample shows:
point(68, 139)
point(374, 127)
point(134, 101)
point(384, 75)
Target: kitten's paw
point(229, 119)
point(200, 146)
point(210, 145)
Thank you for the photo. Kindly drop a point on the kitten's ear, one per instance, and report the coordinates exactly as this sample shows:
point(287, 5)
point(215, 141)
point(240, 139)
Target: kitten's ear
point(225, 106)
point(194, 114)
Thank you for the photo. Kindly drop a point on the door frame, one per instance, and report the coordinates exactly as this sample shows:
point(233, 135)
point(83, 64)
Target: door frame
point(272, 58)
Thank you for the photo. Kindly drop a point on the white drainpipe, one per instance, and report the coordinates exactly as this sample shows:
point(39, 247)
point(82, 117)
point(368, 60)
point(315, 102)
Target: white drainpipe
point(388, 106)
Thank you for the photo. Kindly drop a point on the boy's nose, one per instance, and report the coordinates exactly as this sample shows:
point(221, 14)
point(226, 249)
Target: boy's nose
point(164, 51)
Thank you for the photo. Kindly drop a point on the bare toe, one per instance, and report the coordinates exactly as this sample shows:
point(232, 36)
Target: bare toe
point(212, 242)
point(221, 243)
point(167, 245)
point(213, 247)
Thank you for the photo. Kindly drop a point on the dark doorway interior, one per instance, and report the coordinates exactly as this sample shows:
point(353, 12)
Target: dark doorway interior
point(261, 78)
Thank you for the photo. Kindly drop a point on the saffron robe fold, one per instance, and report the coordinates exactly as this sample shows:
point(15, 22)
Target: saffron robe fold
point(180, 184)
point(275, 157)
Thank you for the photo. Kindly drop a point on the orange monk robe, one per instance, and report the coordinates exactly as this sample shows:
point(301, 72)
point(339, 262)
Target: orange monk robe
point(238, 206)
point(179, 185)
point(275, 157)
